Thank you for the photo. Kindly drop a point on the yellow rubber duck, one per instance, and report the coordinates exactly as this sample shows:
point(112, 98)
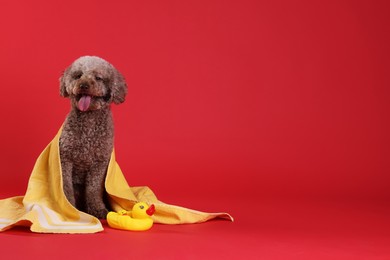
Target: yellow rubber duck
point(138, 219)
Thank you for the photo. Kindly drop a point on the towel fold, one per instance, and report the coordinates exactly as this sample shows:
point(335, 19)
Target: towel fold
point(45, 209)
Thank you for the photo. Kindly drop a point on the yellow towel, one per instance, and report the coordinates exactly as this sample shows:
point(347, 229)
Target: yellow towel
point(46, 210)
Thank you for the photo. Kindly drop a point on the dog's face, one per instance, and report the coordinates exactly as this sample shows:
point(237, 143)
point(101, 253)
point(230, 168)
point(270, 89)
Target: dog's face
point(92, 83)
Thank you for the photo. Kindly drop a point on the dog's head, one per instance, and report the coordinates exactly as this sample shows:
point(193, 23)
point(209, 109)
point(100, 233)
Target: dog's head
point(92, 83)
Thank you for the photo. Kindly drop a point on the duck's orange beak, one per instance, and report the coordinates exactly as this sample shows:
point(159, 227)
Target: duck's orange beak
point(150, 211)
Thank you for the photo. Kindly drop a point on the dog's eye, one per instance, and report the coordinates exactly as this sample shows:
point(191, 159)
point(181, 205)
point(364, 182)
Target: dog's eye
point(98, 78)
point(77, 75)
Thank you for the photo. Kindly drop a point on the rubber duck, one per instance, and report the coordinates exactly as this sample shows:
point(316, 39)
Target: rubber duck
point(138, 219)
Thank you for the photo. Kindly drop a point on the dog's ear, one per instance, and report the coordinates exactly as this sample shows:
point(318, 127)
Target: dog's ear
point(63, 80)
point(118, 87)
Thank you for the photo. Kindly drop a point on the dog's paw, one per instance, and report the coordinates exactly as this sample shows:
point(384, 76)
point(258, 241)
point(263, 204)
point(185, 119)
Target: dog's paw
point(99, 213)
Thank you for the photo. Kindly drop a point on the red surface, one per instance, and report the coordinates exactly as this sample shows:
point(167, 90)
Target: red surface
point(275, 111)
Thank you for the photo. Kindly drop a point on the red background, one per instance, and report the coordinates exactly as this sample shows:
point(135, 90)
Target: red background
point(264, 109)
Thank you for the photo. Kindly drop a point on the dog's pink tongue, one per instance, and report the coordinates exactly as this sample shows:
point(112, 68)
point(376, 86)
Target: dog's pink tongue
point(84, 103)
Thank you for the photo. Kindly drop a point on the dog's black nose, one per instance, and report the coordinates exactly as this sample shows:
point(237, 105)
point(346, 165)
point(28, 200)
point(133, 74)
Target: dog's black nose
point(84, 86)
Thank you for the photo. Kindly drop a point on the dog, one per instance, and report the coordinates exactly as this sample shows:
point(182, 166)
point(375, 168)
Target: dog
point(87, 137)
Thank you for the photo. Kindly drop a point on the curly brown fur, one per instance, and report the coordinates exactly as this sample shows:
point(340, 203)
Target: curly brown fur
point(86, 142)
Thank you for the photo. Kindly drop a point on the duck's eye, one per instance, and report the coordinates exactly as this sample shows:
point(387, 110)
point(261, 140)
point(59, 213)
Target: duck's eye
point(141, 207)
point(98, 78)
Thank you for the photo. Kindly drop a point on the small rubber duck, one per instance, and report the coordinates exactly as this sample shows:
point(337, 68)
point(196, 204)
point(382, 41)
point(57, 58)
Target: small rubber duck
point(138, 219)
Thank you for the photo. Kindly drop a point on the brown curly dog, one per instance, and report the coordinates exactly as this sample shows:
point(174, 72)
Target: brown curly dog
point(86, 142)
